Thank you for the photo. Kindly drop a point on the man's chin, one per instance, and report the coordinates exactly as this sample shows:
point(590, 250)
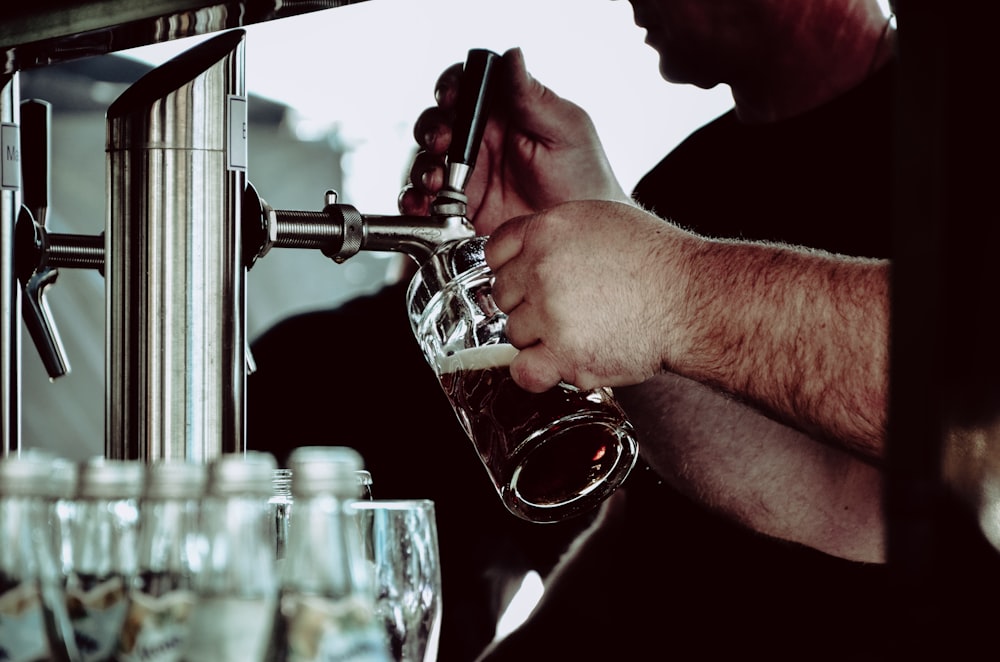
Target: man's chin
point(683, 76)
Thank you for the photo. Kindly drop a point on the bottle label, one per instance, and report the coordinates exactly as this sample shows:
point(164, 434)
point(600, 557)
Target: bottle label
point(97, 616)
point(156, 628)
point(22, 629)
point(227, 629)
point(321, 630)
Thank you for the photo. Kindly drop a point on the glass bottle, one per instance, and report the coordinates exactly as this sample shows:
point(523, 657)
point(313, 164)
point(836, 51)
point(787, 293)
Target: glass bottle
point(237, 585)
point(33, 621)
point(103, 537)
point(60, 496)
point(326, 608)
point(162, 597)
point(281, 506)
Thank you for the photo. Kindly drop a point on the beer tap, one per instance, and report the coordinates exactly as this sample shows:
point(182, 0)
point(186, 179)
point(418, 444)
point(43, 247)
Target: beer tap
point(33, 272)
point(340, 231)
point(223, 216)
point(10, 295)
point(170, 255)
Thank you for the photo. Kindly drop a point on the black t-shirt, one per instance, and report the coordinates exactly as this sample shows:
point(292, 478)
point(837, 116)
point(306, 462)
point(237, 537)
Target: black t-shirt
point(820, 179)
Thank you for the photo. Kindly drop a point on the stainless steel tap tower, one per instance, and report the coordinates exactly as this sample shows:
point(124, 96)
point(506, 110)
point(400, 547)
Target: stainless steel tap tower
point(175, 280)
point(10, 205)
point(183, 228)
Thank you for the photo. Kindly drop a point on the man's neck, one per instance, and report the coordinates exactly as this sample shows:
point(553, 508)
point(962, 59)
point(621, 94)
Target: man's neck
point(825, 57)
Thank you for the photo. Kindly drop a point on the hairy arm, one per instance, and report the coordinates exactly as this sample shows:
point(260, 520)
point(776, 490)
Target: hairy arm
point(605, 294)
point(765, 475)
point(799, 333)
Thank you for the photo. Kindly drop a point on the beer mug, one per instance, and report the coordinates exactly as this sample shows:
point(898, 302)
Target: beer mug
point(550, 455)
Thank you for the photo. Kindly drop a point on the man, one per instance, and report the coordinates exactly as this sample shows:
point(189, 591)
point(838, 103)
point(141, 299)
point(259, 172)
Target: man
point(544, 150)
point(542, 165)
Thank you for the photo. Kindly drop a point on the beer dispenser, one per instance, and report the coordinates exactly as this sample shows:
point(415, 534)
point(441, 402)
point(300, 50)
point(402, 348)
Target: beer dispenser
point(341, 231)
point(184, 226)
point(25, 203)
point(174, 279)
point(176, 169)
point(10, 204)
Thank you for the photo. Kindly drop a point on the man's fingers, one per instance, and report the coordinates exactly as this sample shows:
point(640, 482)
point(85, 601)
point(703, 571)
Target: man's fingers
point(521, 328)
point(413, 202)
point(432, 130)
point(506, 242)
point(427, 174)
point(446, 88)
point(542, 114)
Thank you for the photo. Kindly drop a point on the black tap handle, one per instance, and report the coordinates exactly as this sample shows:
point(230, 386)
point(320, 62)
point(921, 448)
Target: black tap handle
point(36, 122)
point(472, 106)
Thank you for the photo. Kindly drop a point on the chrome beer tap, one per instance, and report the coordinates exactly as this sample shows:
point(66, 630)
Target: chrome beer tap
point(35, 272)
point(340, 231)
point(160, 402)
point(24, 194)
point(170, 254)
point(10, 296)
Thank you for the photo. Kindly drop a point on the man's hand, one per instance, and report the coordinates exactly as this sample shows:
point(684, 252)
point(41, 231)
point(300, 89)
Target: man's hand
point(538, 150)
point(584, 285)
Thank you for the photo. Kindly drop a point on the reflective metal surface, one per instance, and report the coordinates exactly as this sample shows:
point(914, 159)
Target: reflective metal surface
point(10, 205)
point(175, 281)
point(34, 34)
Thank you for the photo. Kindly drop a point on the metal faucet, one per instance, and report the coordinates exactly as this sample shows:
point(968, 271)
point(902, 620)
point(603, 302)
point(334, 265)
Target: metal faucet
point(340, 231)
point(10, 295)
point(34, 272)
point(153, 386)
point(174, 277)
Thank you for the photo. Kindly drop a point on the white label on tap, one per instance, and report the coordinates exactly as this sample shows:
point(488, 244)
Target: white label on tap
point(236, 149)
point(10, 156)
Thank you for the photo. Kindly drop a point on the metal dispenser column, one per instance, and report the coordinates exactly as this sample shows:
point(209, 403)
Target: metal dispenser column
point(10, 328)
point(175, 280)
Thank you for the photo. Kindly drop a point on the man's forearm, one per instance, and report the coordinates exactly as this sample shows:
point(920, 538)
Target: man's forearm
point(801, 334)
point(765, 475)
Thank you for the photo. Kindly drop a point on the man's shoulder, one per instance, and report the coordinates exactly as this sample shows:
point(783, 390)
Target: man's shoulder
point(817, 179)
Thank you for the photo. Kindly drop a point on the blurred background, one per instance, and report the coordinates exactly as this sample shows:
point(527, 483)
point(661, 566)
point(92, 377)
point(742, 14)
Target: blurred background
point(333, 97)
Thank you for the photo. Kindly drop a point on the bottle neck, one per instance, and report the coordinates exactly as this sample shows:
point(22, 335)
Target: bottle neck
point(324, 553)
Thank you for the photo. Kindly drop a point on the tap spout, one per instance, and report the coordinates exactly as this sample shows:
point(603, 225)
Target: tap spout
point(340, 231)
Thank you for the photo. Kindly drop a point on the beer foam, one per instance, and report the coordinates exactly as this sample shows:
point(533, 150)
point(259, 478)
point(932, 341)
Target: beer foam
point(477, 358)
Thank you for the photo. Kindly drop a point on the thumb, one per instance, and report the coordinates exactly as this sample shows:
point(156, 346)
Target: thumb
point(534, 108)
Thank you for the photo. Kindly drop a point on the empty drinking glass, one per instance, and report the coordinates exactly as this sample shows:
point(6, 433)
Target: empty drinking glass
point(400, 539)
